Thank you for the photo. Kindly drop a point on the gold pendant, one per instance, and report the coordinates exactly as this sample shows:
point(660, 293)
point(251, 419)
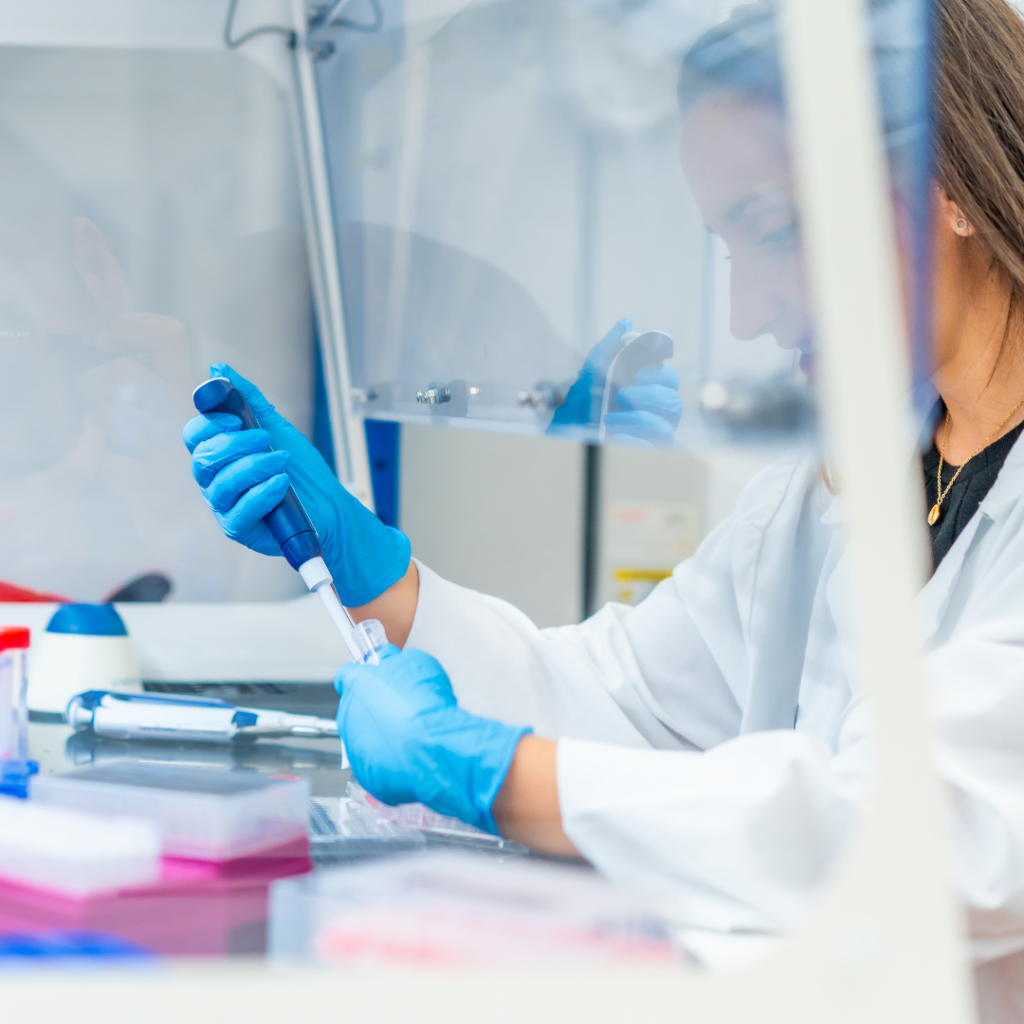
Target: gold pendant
point(933, 516)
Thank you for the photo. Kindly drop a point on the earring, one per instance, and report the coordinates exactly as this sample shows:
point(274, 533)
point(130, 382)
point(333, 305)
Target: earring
point(961, 225)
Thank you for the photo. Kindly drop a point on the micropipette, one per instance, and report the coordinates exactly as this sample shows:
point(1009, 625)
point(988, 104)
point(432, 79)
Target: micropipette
point(292, 529)
point(149, 716)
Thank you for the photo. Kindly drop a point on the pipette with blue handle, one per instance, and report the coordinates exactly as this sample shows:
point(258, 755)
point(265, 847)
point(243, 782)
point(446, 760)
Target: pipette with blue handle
point(161, 716)
point(293, 531)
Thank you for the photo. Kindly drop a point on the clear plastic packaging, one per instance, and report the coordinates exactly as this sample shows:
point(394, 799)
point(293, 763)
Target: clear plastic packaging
point(204, 814)
point(360, 809)
point(75, 854)
point(460, 909)
point(343, 830)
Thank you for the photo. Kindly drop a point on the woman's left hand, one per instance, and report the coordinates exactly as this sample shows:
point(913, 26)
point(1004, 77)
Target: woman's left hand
point(408, 741)
point(648, 411)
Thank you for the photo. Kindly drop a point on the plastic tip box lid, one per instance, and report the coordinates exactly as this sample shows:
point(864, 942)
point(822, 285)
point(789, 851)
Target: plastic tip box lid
point(457, 910)
point(14, 638)
point(204, 813)
point(75, 854)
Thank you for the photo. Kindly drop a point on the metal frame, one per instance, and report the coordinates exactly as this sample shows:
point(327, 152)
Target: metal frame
point(350, 455)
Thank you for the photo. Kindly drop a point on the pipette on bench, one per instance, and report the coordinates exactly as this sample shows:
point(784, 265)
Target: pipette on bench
point(158, 716)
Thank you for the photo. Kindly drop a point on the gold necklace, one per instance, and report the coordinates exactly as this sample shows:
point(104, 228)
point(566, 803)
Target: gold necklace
point(933, 516)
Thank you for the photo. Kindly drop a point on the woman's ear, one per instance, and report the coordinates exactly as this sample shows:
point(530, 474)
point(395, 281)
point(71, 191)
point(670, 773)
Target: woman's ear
point(951, 217)
point(99, 270)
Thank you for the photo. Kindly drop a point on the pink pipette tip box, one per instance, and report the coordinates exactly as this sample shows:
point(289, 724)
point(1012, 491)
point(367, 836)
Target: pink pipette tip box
point(196, 908)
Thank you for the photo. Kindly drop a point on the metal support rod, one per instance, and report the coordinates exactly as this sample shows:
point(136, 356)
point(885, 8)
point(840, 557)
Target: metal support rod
point(351, 461)
point(591, 528)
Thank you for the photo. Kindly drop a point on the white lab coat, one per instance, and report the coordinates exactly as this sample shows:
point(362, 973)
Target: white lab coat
point(712, 740)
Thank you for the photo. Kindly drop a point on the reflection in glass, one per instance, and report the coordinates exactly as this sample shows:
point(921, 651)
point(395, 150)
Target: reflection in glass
point(508, 185)
point(149, 224)
point(582, 219)
point(553, 216)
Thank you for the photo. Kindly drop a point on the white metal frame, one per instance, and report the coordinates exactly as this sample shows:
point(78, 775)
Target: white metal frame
point(885, 944)
point(350, 454)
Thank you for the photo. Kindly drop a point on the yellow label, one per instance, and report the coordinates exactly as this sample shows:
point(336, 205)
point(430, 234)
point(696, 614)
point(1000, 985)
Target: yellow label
point(641, 575)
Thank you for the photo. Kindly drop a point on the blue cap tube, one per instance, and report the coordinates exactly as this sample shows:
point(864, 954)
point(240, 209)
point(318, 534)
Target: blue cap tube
point(288, 523)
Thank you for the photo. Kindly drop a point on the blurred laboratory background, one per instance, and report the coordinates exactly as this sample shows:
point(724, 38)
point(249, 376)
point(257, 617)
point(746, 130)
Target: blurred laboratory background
point(151, 222)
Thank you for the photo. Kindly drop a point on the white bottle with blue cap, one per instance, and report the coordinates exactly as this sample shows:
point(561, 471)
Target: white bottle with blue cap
point(84, 647)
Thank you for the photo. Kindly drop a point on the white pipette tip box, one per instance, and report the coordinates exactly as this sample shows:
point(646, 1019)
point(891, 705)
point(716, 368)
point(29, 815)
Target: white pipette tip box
point(204, 814)
point(74, 854)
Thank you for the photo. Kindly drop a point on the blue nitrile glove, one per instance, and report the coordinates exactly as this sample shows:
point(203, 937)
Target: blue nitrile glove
point(241, 482)
point(651, 405)
point(650, 408)
point(409, 742)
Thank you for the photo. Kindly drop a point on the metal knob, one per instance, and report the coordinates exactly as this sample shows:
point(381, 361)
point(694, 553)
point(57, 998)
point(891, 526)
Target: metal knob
point(543, 396)
point(434, 394)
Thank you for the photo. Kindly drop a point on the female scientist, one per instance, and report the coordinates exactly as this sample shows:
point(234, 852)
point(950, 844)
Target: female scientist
point(711, 743)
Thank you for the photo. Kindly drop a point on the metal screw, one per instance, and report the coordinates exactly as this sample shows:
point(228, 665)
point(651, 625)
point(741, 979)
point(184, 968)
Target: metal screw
point(322, 49)
point(543, 396)
point(435, 395)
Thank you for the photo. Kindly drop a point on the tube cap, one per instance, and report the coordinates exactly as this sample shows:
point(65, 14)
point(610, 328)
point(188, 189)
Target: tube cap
point(87, 620)
point(14, 638)
point(14, 776)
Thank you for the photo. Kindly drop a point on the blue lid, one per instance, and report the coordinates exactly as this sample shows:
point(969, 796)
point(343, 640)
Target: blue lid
point(14, 776)
point(68, 943)
point(88, 620)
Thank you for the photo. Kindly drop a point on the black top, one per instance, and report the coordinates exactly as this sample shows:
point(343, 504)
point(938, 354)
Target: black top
point(966, 494)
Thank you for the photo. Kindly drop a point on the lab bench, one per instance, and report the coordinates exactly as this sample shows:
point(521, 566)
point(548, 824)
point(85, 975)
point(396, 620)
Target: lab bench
point(238, 909)
point(58, 748)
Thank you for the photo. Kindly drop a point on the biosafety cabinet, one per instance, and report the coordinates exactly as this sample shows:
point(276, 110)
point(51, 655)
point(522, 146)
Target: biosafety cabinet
point(438, 214)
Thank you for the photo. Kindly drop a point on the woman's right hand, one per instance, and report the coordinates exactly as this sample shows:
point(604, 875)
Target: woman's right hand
point(242, 481)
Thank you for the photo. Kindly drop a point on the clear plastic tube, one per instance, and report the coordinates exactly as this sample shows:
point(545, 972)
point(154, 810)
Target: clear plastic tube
point(371, 638)
point(15, 766)
point(13, 712)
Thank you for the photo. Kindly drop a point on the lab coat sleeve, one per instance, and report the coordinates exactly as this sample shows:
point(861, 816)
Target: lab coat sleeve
point(637, 677)
point(976, 685)
point(739, 838)
point(672, 673)
point(745, 835)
